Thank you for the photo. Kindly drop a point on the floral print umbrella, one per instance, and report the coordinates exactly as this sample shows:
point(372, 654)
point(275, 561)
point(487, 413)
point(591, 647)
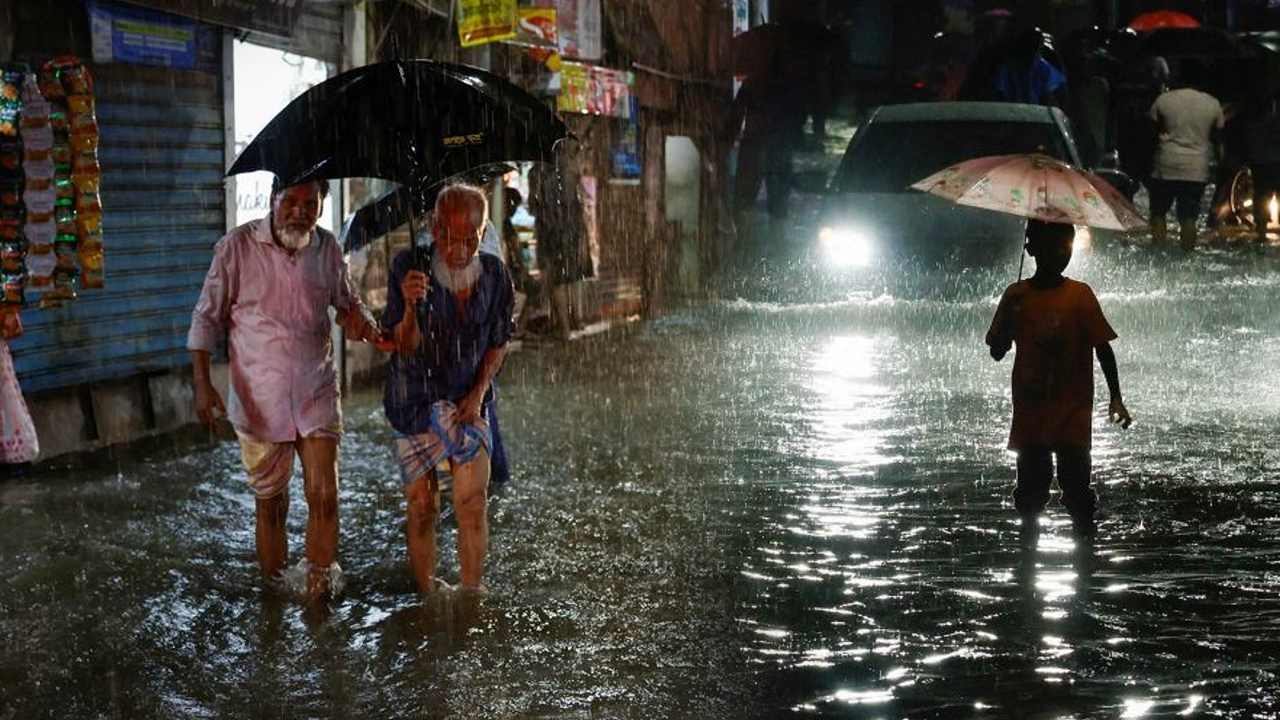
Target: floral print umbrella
point(1035, 186)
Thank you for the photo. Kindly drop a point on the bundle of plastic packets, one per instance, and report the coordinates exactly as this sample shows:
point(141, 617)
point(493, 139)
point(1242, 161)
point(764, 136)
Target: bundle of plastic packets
point(66, 86)
point(13, 210)
point(38, 182)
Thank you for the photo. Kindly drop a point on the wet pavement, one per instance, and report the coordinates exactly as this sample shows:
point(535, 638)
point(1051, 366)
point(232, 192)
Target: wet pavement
point(789, 501)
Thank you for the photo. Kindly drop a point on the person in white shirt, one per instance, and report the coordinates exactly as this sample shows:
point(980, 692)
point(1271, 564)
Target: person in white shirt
point(1188, 121)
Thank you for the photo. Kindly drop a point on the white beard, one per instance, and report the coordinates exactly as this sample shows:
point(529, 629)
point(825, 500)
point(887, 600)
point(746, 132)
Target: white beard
point(292, 239)
point(455, 280)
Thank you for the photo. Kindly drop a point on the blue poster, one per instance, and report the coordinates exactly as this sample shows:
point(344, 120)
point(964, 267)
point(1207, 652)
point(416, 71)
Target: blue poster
point(626, 151)
point(128, 34)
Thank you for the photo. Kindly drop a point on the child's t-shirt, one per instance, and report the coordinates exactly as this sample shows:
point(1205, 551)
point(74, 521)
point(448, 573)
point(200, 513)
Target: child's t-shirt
point(1055, 331)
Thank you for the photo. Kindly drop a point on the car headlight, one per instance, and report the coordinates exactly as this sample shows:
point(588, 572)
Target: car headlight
point(846, 247)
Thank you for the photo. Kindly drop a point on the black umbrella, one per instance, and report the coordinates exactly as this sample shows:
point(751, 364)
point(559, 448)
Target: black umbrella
point(411, 121)
point(406, 202)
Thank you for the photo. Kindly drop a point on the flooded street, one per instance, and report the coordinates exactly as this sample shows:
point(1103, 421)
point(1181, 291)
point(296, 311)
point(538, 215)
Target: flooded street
point(749, 508)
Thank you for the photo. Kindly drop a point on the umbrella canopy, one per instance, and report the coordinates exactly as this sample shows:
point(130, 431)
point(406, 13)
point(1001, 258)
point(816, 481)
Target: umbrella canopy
point(396, 207)
point(1163, 19)
point(1034, 186)
point(411, 121)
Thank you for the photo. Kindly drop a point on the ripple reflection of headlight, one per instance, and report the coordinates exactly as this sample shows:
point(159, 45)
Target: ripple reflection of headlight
point(846, 247)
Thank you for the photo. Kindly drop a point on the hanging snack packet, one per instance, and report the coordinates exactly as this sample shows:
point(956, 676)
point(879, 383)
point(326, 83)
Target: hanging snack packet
point(12, 78)
point(63, 188)
point(87, 203)
point(10, 117)
point(73, 75)
point(10, 156)
point(38, 138)
point(50, 86)
point(11, 189)
point(40, 232)
point(13, 215)
point(39, 165)
point(64, 216)
point(40, 265)
point(62, 152)
point(80, 115)
point(90, 255)
point(12, 254)
point(13, 287)
point(64, 250)
point(39, 203)
point(58, 119)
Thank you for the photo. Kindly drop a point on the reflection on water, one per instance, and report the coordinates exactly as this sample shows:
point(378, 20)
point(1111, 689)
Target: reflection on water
point(758, 508)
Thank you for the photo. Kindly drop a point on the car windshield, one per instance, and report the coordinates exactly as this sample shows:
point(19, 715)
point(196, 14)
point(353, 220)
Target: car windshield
point(889, 157)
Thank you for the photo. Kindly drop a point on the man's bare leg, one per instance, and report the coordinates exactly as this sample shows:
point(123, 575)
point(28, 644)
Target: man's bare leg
point(320, 481)
point(272, 543)
point(471, 503)
point(420, 529)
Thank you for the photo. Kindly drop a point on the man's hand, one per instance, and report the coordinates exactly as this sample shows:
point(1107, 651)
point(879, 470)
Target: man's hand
point(1118, 413)
point(208, 404)
point(1000, 349)
point(384, 341)
point(414, 286)
point(469, 407)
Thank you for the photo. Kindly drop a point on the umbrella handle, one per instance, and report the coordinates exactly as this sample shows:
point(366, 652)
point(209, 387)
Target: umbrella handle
point(419, 257)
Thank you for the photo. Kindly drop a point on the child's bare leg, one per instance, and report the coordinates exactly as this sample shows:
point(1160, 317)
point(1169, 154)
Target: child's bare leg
point(1075, 467)
point(1035, 473)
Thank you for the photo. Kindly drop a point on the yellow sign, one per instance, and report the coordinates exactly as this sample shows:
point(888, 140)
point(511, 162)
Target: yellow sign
point(484, 21)
point(458, 140)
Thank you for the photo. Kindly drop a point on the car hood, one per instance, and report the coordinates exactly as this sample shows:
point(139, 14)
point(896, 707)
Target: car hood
point(915, 221)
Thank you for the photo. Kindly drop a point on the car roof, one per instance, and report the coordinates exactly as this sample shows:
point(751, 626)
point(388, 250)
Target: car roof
point(959, 111)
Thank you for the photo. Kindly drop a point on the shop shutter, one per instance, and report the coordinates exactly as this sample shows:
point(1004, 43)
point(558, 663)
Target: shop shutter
point(318, 34)
point(162, 156)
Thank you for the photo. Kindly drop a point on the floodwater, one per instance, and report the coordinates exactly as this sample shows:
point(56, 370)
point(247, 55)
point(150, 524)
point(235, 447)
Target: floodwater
point(782, 503)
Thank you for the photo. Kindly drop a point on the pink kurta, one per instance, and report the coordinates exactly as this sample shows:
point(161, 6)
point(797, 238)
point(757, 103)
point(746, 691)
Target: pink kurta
point(276, 308)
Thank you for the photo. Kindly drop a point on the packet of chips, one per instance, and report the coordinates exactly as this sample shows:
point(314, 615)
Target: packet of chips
point(39, 203)
point(10, 156)
point(40, 232)
point(10, 117)
point(12, 78)
point(88, 204)
point(14, 283)
point(80, 115)
point(73, 75)
point(12, 254)
point(64, 250)
point(37, 139)
point(50, 85)
point(63, 188)
point(91, 256)
point(40, 262)
point(11, 191)
point(64, 216)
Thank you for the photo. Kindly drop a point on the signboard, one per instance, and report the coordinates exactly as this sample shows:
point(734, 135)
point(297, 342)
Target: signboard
point(595, 90)
point(625, 153)
point(120, 33)
point(536, 27)
point(484, 21)
point(274, 17)
point(579, 25)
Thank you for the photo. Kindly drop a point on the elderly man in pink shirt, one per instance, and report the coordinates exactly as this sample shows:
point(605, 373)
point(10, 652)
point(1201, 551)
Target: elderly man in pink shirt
point(269, 289)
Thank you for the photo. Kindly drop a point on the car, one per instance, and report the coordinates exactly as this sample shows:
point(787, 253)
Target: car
point(870, 215)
